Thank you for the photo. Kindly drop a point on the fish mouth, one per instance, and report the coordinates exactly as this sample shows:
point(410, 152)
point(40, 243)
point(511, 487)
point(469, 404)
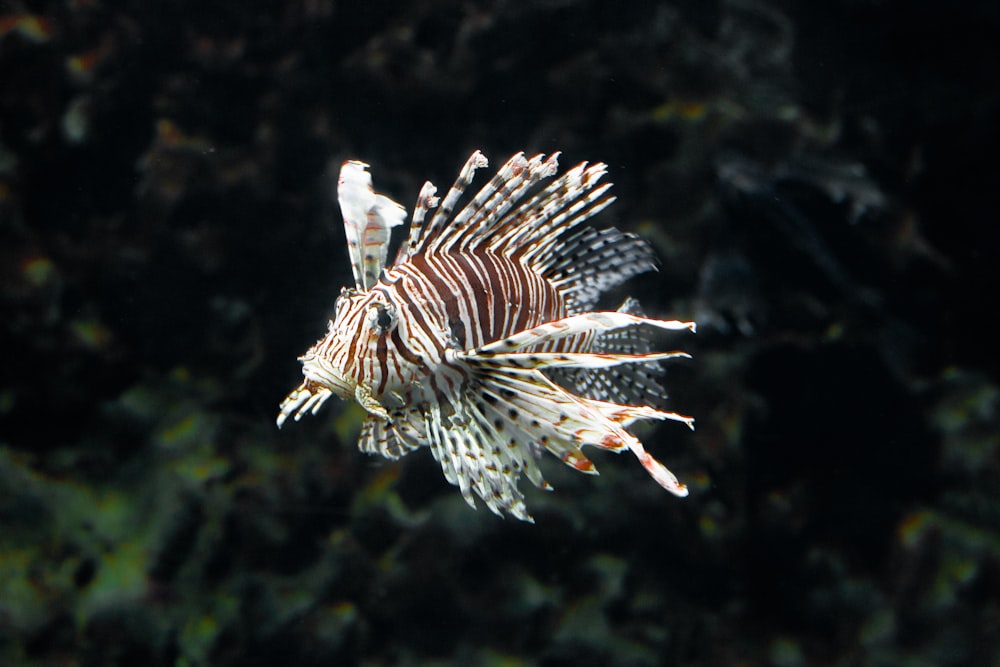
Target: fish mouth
point(322, 382)
point(320, 373)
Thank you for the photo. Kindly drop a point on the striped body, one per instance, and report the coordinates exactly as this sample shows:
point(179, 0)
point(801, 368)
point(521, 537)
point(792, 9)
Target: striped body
point(480, 341)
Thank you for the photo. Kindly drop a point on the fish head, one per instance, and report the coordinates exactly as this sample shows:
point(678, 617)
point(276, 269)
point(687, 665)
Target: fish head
point(359, 356)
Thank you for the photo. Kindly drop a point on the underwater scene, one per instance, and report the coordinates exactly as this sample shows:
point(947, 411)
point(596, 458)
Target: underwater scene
point(319, 319)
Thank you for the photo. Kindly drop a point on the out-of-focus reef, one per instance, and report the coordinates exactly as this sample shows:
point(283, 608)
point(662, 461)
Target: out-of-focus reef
point(819, 180)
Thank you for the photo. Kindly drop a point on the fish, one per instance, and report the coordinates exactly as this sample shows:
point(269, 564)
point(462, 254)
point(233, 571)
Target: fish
point(483, 339)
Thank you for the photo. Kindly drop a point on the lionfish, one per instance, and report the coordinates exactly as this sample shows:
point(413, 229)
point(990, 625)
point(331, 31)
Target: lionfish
point(481, 339)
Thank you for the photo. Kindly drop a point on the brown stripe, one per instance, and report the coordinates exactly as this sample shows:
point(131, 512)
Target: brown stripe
point(382, 354)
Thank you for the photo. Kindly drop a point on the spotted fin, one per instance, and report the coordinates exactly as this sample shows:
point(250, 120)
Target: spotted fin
point(587, 262)
point(526, 410)
point(391, 439)
point(631, 384)
point(574, 325)
point(537, 413)
point(474, 458)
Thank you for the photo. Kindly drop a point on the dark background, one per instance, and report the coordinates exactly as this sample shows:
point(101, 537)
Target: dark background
point(819, 179)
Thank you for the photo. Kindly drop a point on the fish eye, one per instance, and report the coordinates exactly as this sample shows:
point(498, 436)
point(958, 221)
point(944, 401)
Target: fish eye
point(382, 318)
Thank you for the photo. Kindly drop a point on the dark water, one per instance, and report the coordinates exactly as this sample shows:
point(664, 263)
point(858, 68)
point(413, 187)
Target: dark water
point(819, 181)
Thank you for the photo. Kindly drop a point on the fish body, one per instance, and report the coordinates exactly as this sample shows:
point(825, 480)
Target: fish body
point(481, 340)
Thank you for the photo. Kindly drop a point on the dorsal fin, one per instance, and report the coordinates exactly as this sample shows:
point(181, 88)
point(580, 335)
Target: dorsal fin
point(368, 218)
point(421, 237)
point(588, 261)
point(426, 201)
point(565, 203)
point(518, 214)
point(512, 213)
point(628, 384)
